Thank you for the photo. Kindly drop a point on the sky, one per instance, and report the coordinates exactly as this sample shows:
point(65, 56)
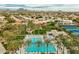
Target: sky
point(13, 1)
point(45, 7)
point(38, 1)
point(42, 4)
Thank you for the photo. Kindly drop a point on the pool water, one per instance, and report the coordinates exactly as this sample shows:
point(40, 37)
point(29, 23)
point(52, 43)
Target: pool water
point(43, 48)
point(73, 29)
point(35, 40)
point(33, 48)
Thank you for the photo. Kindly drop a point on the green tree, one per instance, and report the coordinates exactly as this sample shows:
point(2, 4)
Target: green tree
point(47, 42)
point(28, 42)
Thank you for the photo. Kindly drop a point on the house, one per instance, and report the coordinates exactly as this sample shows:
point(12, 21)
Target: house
point(53, 32)
point(39, 22)
point(73, 16)
point(19, 19)
point(2, 19)
point(56, 33)
point(65, 22)
point(27, 18)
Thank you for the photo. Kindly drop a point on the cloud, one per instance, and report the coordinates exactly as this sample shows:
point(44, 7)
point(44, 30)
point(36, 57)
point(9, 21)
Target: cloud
point(49, 7)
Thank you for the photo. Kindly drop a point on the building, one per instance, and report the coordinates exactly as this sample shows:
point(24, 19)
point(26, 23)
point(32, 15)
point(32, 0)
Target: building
point(56, 33)
point(19, 19)
point(53, 32)
point(2, 19)
point(73, 16)
point(65, 22)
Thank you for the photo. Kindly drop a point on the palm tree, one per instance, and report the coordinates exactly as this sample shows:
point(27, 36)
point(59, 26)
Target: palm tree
point(58, 41)
point(47, 42)
point(38, 44)
point(12, 46)
point(28, 42)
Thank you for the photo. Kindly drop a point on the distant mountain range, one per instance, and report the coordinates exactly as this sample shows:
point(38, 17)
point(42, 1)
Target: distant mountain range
point(42, 7)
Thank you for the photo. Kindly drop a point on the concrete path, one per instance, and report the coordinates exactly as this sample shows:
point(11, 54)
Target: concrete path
point(2, 49)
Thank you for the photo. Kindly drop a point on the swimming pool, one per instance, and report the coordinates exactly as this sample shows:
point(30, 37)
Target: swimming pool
point(35, 40)
point(42, 49)
point(33, 48)
point(73, 29)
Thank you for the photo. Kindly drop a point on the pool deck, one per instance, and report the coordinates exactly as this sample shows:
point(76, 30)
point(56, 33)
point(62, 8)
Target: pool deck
point(22, 50)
